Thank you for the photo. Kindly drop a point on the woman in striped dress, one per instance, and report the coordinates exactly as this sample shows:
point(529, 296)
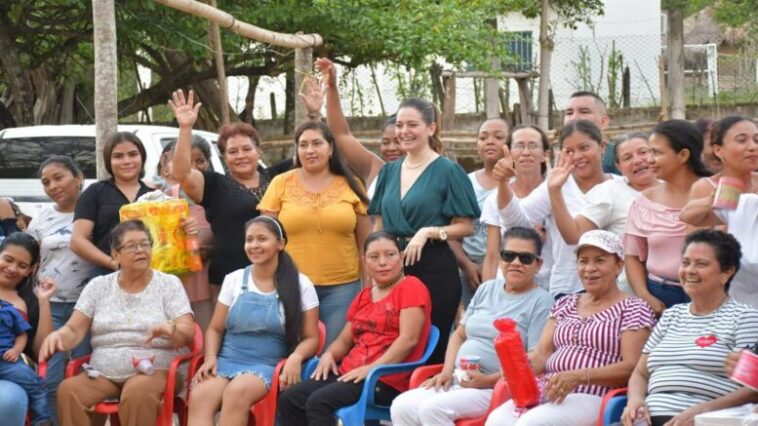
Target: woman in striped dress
point(681, 371)
point(590, 343)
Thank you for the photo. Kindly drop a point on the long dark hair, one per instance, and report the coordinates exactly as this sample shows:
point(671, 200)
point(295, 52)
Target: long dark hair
point(286, 282)
point(336, 166)
point(681, 135)
point(583, 126)
point(25, 288)
point(117, 139)
point(430, 114)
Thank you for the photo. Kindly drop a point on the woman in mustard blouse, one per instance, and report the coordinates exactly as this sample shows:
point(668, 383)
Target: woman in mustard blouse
point(323, 207)
point(426, 199)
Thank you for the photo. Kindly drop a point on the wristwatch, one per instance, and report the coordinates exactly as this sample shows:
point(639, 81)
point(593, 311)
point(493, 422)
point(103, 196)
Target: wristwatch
point(442, 233)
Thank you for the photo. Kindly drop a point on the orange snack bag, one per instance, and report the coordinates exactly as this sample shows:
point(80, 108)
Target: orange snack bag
point(163, 219)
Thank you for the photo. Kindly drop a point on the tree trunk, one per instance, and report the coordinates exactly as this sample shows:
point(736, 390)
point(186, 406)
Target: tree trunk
point(303, 68)
point(218, 49)
point(106, 76)
point(546, 53)
point(22, 92)
point(247, 114)
point(491, 86)
point(675, 60)
point(289, 103)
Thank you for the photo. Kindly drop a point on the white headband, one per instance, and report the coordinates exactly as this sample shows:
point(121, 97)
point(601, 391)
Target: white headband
point(276, 222)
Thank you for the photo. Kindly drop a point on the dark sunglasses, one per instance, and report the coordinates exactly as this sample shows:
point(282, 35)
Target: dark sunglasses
point(523, 257)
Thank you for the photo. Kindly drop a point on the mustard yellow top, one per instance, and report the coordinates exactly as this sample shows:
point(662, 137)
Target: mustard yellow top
point(320, 226)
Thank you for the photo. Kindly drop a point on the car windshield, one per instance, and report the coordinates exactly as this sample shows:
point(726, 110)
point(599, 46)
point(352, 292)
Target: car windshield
point(20, 157)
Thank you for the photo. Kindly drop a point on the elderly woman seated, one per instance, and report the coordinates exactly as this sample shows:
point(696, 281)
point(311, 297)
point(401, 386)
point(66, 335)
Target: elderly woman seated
point(133, 313)
point(681, 372)
point(591, 341)
point(438, 403)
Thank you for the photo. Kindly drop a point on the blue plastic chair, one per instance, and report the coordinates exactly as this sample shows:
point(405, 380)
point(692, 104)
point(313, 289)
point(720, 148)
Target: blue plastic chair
point(366, 408)
point(612, 407)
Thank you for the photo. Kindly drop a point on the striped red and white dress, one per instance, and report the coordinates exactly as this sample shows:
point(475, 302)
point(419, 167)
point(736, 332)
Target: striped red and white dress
point(592, 341)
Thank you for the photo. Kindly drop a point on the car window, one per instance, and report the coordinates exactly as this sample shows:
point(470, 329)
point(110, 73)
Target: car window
point(20, 157)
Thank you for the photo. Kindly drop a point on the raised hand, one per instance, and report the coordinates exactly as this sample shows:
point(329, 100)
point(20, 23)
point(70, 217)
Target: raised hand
point(559, 174)
point(328, 72)
point(185, 110)
point(312, 96)
point(504, 170)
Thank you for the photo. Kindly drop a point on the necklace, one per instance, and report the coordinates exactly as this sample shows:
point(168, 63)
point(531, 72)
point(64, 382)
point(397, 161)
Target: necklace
point(408, 165)
point(390, 284)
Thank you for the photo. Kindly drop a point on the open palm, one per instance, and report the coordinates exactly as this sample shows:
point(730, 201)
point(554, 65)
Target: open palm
point(185, 109)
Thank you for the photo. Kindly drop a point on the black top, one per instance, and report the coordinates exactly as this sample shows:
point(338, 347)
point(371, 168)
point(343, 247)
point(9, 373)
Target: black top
point(100, 203)
point(283, 166)
point(228, 205)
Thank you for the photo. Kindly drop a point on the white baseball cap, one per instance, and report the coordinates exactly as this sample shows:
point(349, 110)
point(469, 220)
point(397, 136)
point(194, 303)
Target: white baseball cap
point(604, 240)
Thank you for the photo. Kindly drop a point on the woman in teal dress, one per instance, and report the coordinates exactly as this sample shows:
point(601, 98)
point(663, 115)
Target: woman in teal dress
point(425, 200)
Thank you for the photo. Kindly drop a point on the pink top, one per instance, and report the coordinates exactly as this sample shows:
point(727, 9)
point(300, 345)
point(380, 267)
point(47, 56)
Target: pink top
point(593, 341)
point(655, 234)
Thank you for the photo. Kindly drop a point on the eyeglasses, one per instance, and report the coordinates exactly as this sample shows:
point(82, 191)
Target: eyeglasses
point(133, 247)
point(523, 257)
point(531, 146)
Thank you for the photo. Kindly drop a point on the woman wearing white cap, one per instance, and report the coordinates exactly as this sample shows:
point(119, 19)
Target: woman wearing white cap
point(590, 344)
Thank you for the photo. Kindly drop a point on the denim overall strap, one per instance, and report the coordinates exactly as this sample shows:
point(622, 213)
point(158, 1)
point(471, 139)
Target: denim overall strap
point(246, 278)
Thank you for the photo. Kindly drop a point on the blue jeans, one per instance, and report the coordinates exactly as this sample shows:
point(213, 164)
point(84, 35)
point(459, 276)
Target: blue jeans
point(669, 294)
point(13, 403)
point(23, 375)
point(333, 303)
point(56, 365)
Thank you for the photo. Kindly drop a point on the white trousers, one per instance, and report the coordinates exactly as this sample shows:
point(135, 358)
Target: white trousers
point(428, 407)
point(578, 409)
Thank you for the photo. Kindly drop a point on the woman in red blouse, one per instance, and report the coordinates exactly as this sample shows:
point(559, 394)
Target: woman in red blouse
point(387, 323)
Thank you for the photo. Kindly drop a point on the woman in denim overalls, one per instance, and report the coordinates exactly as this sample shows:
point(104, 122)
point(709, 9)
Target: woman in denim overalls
point(265, 312)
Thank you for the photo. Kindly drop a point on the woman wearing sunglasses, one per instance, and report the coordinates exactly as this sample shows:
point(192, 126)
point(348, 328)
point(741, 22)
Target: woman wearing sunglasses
point(590, 344)
point(443, 399)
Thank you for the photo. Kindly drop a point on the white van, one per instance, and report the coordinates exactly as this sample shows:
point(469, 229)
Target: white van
point(23, 149)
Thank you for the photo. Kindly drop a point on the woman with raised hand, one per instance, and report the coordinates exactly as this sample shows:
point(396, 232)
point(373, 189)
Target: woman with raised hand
point(607, 204)
point(654, 233)
point(581, 167)
point(735, 144)
point(96, 212)
point(265, 312)
point(447, 397)
point(529, 148)
point(426, 199)
point(62, 181)
point(387, 323)
point(229, 200)
point(132, 314)
point(365, 163)
point(323, 207)
point(681, 371)
point(590, 344)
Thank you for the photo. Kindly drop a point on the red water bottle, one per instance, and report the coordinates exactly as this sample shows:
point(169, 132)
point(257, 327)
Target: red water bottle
point(515, 365)
point(194, 261)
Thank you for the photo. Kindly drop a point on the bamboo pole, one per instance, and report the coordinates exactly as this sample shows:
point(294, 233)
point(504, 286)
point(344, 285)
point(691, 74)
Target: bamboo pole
point(218, 49)
point(226, 20)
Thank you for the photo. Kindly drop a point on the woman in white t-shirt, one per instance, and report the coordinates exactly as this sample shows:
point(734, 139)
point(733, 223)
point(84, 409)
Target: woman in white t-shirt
point(529, 148)
point(607, 204)
point(62, 181)
point(265, 312)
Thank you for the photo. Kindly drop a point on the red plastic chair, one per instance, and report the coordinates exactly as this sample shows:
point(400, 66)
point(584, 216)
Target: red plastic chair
point(500, 394)
point(263, 412)
point(171, 402)
point(42, 373)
